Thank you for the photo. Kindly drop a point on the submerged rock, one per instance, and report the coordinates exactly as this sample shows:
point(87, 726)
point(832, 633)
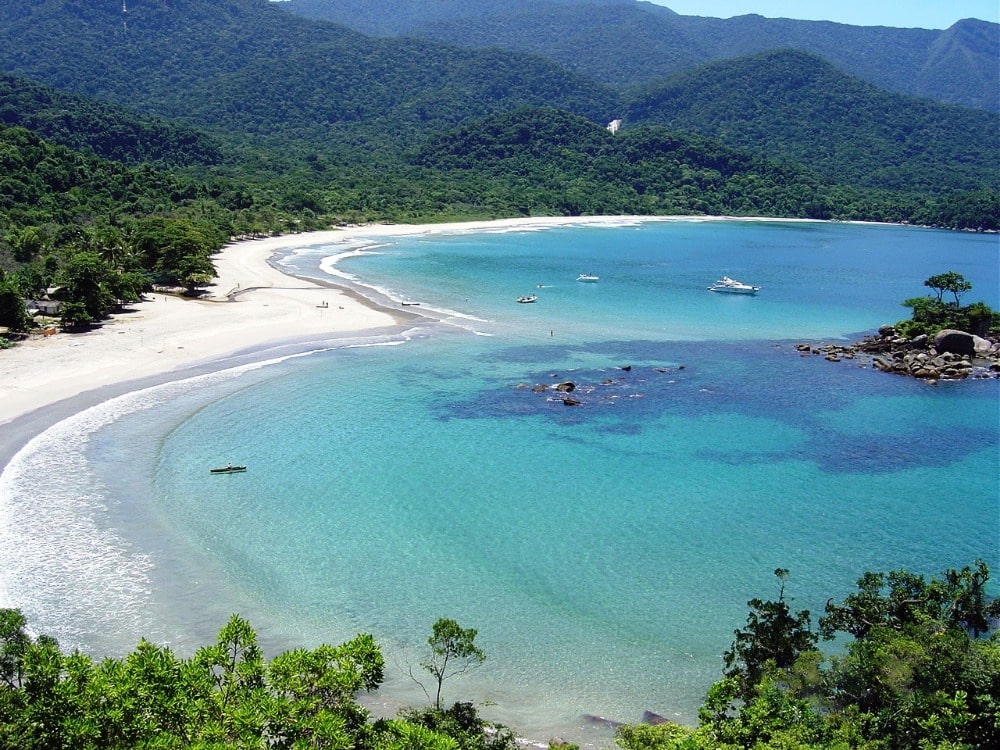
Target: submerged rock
point(601, 720)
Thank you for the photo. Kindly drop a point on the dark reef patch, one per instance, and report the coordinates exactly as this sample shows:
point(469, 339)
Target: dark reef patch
point(645, 381)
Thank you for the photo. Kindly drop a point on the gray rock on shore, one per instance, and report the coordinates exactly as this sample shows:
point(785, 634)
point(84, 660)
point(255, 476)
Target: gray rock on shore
point(950, 341)
point(952, 355)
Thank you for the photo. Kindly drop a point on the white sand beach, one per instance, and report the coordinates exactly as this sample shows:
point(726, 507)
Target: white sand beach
point(250, 304)
point(166, 332)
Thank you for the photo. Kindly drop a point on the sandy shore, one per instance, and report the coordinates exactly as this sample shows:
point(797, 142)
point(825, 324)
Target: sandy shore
point(250, 304)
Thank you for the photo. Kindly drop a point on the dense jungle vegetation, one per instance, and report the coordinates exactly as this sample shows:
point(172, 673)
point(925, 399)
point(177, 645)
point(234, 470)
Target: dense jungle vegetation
point(918, 667)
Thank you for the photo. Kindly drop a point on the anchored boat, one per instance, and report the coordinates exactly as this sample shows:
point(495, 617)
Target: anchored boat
point(727, 285)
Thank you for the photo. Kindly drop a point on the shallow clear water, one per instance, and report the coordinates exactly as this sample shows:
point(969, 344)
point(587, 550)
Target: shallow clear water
point(605, 551)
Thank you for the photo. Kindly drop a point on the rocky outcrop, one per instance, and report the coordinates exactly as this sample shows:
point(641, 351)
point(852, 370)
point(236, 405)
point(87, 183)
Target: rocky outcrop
point(952, 355)
point(950, 341)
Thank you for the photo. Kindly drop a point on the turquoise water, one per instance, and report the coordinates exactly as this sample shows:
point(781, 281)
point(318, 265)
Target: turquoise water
point(604, 552)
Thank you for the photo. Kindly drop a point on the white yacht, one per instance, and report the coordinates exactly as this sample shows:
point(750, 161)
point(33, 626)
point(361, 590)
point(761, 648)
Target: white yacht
point(732, 286)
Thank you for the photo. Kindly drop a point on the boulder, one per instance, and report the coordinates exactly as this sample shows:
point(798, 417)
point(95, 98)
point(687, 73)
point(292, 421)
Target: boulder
point(954, 342)
point(566, 387)
point(981, 347)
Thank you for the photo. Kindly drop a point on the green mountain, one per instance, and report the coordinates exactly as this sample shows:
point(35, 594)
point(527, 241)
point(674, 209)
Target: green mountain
point(316, 123)
point(791, 106)
point(286, 89)
point(623, 42)
point(246, 67)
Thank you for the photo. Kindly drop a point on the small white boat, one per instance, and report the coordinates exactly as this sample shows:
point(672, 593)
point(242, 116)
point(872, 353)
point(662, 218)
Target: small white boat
point(527, 300)
point(727, 285)
point(588, 277)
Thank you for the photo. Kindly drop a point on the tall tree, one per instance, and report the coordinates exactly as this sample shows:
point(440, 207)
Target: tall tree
point(952, 281)
point(13, 313)
point(453, 651)
point(235, 668)
point(87, 293)
point(772, 635)
point(316, 690)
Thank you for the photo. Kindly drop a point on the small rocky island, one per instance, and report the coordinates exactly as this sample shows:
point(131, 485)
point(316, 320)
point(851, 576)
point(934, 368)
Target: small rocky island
point(949, 355)
point(942, 340)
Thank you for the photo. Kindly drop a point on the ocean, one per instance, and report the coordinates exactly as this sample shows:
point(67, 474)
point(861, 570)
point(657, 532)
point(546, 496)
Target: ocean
point(604, 551)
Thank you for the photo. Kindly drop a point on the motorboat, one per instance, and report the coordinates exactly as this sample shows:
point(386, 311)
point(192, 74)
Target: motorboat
point(727, 285)
point(529, 299)
point(588, 277)
point(230, 469)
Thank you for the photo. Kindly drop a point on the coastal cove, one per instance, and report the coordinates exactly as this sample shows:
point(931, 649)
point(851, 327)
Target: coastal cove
point(401, 468)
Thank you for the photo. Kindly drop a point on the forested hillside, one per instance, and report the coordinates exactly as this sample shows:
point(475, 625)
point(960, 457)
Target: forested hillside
point(791, 106)
point(300, 90)
point(538, 161)
point(545, 161)
point(247, 67)
point(625, 42)
point(108, 132)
